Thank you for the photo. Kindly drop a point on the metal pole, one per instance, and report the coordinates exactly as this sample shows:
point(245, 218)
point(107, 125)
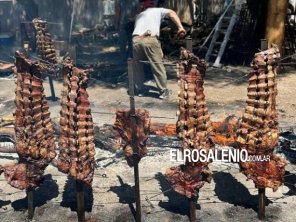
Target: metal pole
point(263, 44)
point(30, 198)
point(53, 97)
point(261, 203)
point(134, 140)
point(192, 208)
point(71, 23)
point(80, 201)
point(189, 44)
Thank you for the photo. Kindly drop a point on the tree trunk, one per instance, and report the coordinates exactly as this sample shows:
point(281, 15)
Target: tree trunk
point(275, 25)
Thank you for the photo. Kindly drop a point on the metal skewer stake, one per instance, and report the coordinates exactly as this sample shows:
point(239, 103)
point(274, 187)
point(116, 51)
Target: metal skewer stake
point(134, 140)
point(192, 207)
point(188, 41)
point(261, 203)
point(80, 201)
point(261, 191)
point(53, 97)
point(30, 199)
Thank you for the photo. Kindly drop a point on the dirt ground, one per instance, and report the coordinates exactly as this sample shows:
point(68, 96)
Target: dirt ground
point(229, 197)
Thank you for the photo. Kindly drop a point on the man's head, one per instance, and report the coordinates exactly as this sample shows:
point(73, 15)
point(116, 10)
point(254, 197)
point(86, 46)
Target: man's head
point(146, 4)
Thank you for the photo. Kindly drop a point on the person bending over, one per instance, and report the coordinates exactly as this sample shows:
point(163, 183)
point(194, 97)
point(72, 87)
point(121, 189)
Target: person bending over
point(146, 46)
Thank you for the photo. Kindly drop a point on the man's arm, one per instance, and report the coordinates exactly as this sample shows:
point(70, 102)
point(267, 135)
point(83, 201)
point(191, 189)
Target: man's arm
point(175, 18)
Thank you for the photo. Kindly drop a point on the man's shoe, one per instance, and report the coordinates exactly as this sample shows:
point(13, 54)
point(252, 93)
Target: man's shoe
point(140, 93)
point(164, 94)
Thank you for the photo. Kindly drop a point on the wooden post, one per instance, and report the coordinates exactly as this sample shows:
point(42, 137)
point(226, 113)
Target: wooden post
point(275, 24)
point(192, 208)
point(189, 44)
point(263, 44)
point(261, 191)
point(261, 203)
point(80, 201)
point(30, 199)
point(134, 140)
point(53, 97)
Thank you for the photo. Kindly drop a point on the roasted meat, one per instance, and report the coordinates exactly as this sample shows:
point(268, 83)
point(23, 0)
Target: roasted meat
point(123, 126)
point(76, 141)
point(45, 47)
point(193, 126)
point(35, 142)
point(258, 129)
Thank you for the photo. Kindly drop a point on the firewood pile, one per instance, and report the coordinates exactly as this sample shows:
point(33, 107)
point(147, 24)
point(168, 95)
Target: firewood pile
point(35, 142)
point(193, 126)
point(76, 141)
point(258, 131)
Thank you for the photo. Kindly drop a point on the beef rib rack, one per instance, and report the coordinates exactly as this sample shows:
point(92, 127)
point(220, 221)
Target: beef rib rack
point(193, 126)
point(35, 143)
point(76, 141)
point(258, 130)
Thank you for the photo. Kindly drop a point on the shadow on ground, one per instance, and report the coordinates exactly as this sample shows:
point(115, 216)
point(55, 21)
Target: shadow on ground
point(290, 181)
point(126, 195)
point(4, 203)
point(176, 203)
point(229, 190)
point(69, 196)
point(47, 191)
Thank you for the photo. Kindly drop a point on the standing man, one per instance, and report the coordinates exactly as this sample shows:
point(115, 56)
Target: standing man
point(146, 46)
point(125, 11)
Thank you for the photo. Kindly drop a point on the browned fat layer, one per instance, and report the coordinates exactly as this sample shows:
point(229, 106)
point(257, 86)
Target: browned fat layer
point(184, 105)
point(64, 121)
point(248, 125)
point(184, 94)
point(52, 57)
point(261, 81)
point(261, 95)
point(260, 103)
point(43, 123)
point(65, 109)
point(82, 109)
point(192, 103)
point(74, 79)
point(200, 120)
point(35, 94)
point(183, 112)
point(83, 102)
point(49, 50)
point(260, 61)
point(27, 101)
point(191, 133)
point(84, 116)
point(37, 109)
point(261, 75)
point(252, 119)
point(81, 132)
point(262, 86)
point(194, 117)
point(44, 115)
point(259, 111)
point(190, 86)
point(72, 95)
